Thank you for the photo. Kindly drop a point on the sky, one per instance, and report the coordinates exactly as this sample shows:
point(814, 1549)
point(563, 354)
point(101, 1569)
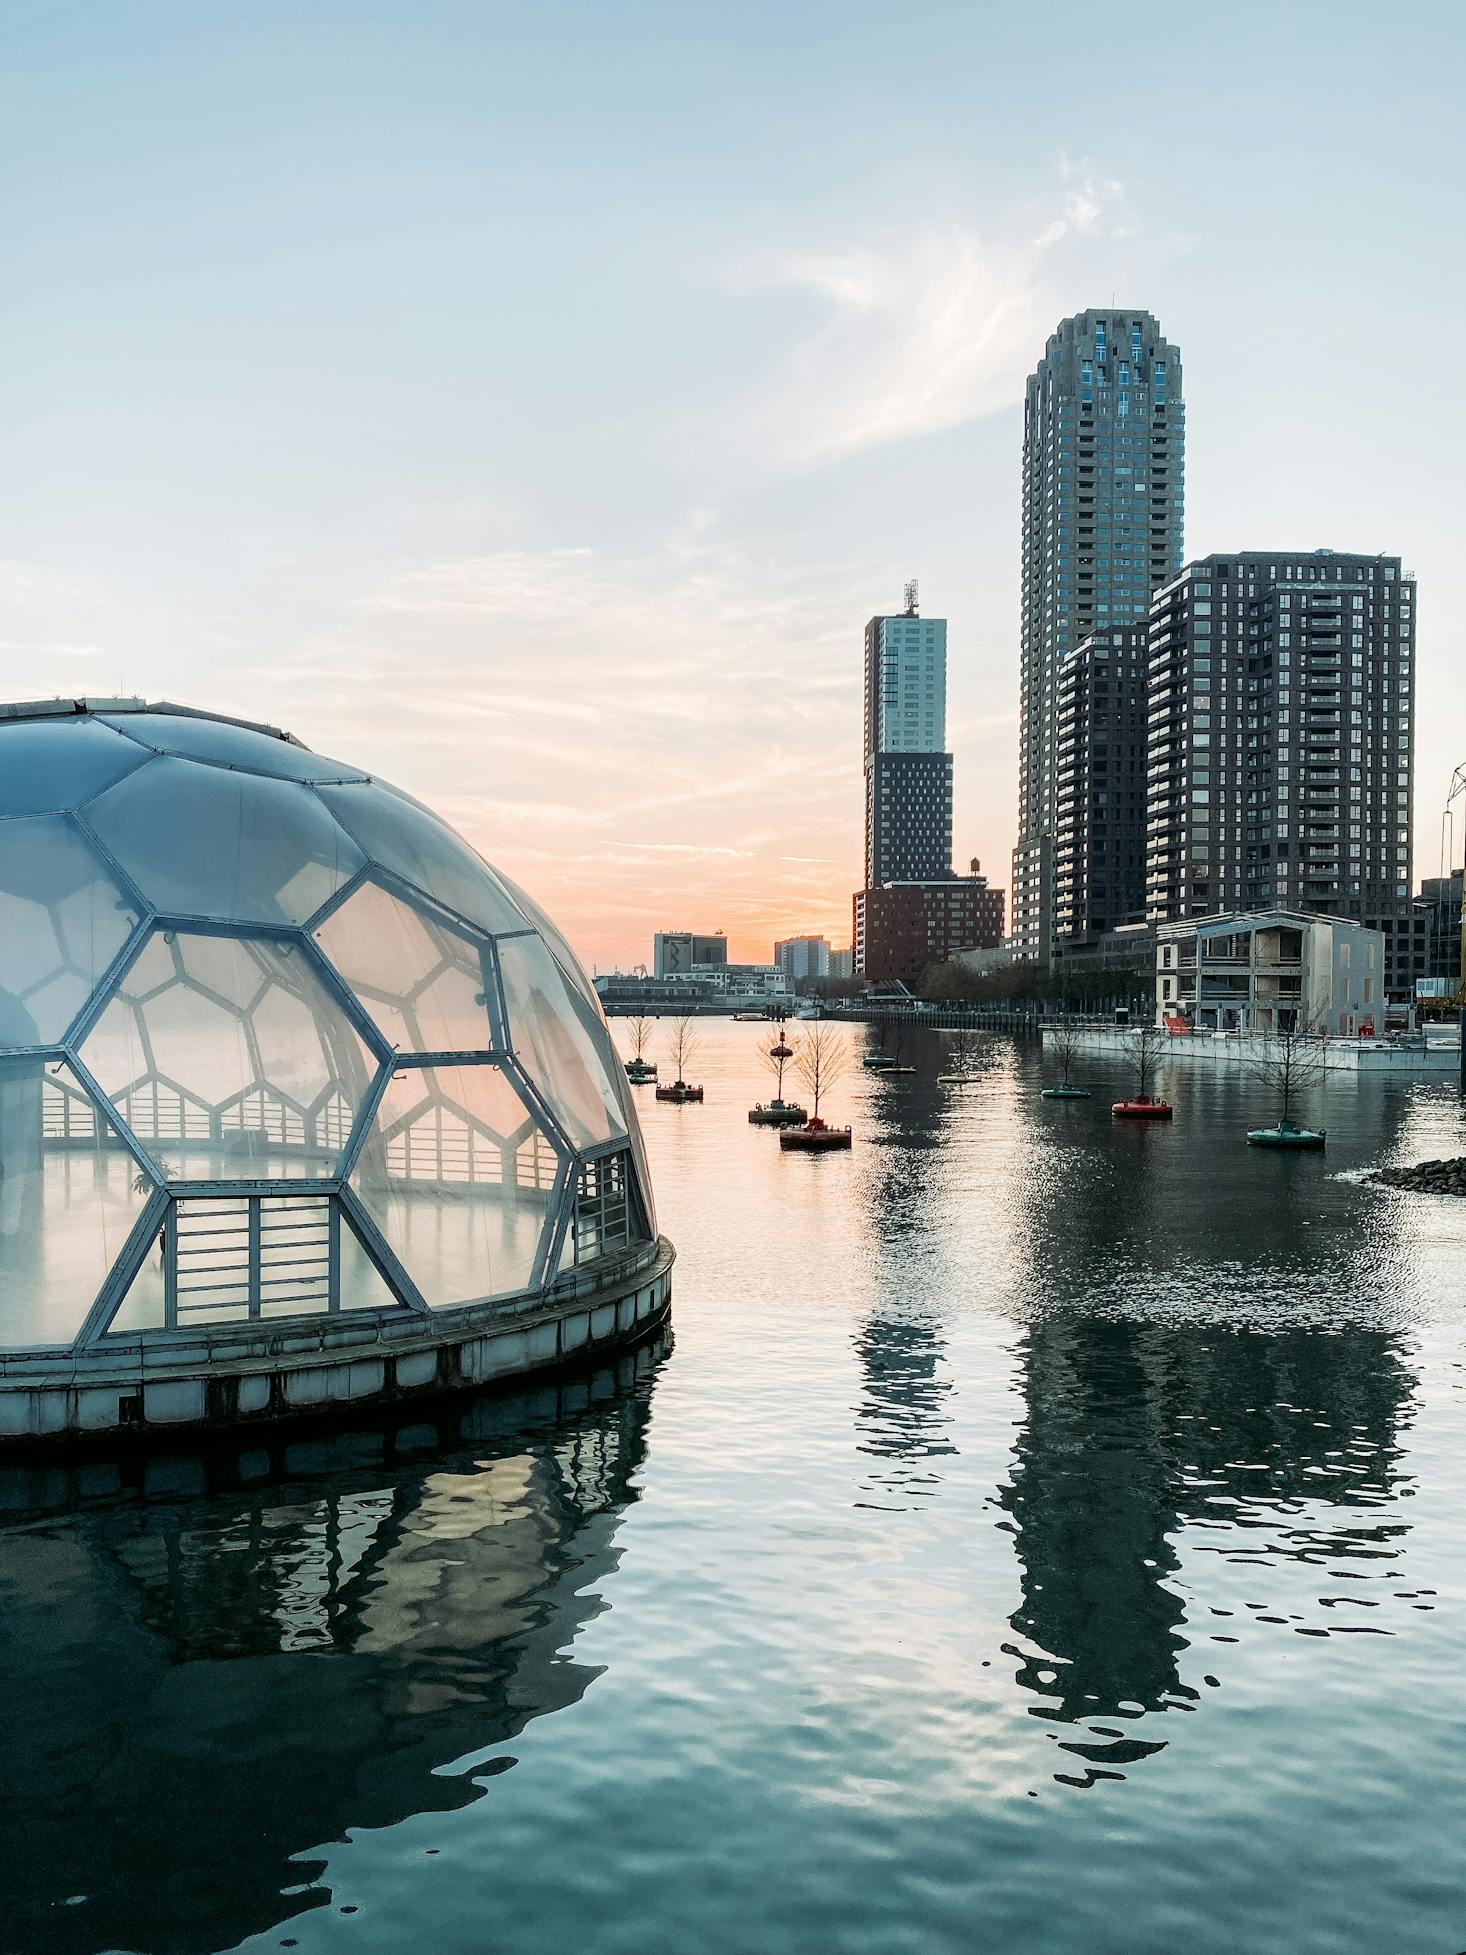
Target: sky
point(532, 403)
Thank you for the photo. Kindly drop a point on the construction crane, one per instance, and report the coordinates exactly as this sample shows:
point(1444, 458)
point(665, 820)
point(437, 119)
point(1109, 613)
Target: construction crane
point(1456, 792)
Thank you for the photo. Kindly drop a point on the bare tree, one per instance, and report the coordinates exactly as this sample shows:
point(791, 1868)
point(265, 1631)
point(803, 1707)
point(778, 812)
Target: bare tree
point(776, 1057)
point(684, 1045)
point(1287, 1062)
point(962, 1052)
point(819, 1059)
point(640, 1030)
point(1147, 1053)
point(1063, 1037)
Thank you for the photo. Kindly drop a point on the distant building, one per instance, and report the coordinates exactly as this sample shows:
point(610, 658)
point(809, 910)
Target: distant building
point(1103, 491)
point(904, 927)
point(803, 958)
point(842, 963)
point(1271, 971)
point(1281, 736)
point(676, 951)
point(709, 988)
point(908, 772)
point(1099, 788)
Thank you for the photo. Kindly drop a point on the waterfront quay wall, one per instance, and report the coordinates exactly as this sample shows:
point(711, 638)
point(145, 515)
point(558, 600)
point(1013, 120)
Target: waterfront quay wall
point(1399, 1059)
point(239, 1376)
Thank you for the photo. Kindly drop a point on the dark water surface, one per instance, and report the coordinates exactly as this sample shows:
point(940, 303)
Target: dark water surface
point(1041, 1536)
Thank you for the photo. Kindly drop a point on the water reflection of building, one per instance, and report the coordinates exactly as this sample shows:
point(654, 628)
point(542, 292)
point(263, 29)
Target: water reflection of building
point(902, 1417)
point(199, 1691)
point(1265, 1444)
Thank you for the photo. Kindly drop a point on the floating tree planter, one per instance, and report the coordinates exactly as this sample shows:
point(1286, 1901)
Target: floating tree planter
point(680, 1093)
point(815, 1138)
point(778, 1113)
point(1286, 1134)
point(639, 1071)
point(1142, 1107)
point(1067, 1092)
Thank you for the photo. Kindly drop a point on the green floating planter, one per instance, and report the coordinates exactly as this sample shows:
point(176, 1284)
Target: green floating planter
point(1285, 1134)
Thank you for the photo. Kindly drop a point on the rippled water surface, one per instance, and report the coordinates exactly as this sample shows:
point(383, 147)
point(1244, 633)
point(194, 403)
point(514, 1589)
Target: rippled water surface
point(1038, 1536)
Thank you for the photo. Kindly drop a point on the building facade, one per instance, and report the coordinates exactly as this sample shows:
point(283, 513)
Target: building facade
point(903, 927)
point(1099, 789)
point(675, 952)
point(1445, 947)
point(803, 958)
point(1270, 972)
point(1103, 510)
point(1280, 740)
point(908, 772)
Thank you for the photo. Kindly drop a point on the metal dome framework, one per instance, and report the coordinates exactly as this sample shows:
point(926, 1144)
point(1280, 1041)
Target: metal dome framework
point(275, 1043)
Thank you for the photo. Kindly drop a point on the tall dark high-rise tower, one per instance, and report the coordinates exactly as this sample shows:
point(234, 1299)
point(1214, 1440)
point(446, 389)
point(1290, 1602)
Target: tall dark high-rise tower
point(908, 771)
point(1103, 504)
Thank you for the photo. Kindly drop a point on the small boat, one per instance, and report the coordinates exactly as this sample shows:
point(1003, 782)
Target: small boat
point(1067, 1092)
point(679, 1093)
point(815, 1137)
point(1286, 1134)
point(750, 1018)
point(777, 1113)
point(1142, 1107)
point(807, 1011)
point(639, 1071)
point(958, 1079)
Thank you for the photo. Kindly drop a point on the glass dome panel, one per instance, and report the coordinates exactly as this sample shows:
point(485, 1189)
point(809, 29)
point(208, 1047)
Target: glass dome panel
point(422, 984)
point(70, 1196)
point(460, 1181)
point(50, 765)
point(233, 847)
point(402, 837)
point(554, 1045)
point(230, 746)
point(559, 945)
point(228, 1058)
point(62, 922)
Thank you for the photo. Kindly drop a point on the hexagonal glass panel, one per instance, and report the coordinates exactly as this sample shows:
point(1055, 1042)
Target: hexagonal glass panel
point(564, 956)
point(401, 836)
point(422, 984)
point(460, 1181)
point(70, 1196)
point(224, 845)
point(555, 1046)
point(229, 1059)
point(62, 921)
point(49, 765)
point(227, 745)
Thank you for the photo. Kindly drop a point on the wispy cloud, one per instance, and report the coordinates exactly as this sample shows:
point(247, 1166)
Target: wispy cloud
point(641, 738)
point(921, 332)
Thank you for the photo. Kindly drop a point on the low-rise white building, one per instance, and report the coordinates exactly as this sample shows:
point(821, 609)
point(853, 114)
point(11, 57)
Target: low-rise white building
point(1271, 971)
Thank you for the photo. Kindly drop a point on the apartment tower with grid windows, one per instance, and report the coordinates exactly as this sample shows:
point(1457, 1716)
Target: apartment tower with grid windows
point(1280, 743)
point(1103, 509)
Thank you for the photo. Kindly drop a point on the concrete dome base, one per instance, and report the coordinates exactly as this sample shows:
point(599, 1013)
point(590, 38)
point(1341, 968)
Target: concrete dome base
point(233, 1380)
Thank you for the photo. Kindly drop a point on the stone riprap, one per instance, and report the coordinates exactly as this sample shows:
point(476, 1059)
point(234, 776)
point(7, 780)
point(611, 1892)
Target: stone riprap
point(1427, 1177)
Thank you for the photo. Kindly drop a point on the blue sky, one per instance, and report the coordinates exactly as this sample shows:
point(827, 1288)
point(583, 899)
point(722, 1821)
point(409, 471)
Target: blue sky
point(534, 402)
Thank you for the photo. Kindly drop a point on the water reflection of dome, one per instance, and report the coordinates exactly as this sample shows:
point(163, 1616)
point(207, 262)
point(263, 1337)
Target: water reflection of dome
point(277, 1047)
point(200, 1691)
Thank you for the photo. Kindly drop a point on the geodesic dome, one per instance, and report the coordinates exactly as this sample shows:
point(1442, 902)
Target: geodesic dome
point(275, 1042)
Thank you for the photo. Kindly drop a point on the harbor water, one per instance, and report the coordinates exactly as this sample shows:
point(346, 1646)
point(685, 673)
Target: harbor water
point(1038, 1534)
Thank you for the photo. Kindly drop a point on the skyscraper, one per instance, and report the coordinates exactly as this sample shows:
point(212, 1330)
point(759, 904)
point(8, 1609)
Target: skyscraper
point(913, 910)
point(1281, 740)
point(1099, 788)
point(1103, 506)
point(908, 772)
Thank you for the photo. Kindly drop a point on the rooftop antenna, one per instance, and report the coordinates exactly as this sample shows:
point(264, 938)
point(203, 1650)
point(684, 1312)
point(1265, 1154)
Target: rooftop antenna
point(911, 599)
